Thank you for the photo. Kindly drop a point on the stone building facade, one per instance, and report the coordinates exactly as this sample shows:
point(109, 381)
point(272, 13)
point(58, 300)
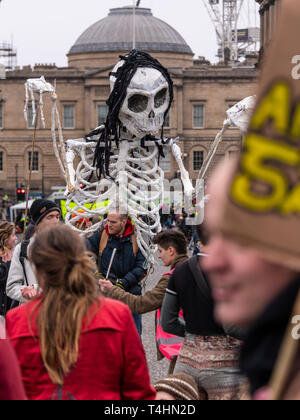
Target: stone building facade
point(202, 93)
point(269, 12)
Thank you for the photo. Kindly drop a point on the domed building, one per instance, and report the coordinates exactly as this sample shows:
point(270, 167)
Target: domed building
point(202, 94)
point(102, 43)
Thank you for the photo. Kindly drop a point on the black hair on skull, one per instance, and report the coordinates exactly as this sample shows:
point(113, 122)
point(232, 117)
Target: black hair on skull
point(124, 75)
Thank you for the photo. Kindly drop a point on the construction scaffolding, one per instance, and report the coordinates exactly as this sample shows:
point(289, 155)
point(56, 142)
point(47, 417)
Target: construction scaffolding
point(8, 56)
point(228, 17)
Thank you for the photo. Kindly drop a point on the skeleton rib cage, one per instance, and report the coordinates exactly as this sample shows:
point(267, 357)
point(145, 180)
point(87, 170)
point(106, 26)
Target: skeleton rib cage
point(136, 186)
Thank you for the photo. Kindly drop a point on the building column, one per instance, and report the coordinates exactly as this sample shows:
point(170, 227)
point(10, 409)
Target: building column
point(277, 5)
point(267, 23)
point(271, 19)
point(262, 28)
point(179, 109)
point(88, 112)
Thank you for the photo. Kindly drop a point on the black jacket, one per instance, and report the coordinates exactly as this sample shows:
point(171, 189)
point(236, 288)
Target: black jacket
point(189, 290)
point(264, 338)
point(5, 301)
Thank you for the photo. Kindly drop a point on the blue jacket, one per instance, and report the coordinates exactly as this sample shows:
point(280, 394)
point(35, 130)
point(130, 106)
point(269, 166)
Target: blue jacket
point(126, 266)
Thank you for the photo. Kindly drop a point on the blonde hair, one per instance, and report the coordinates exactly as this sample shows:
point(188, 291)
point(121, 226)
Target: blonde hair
point(66, 274)
point(6, 230)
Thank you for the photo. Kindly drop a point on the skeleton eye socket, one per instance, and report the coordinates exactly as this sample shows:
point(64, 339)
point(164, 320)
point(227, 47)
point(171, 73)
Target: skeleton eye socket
point(160, 98)
point(138, 103)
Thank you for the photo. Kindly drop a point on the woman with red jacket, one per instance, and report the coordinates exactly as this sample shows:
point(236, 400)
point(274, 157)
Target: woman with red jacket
point(11, 386)
point(70, 343)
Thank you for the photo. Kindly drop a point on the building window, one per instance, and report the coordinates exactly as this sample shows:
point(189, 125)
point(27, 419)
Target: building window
point(198, 116)
point(1, 116)
point(102, 113)
point(167, 120)
point(165, 163)
point(69, 116)
point(1, 161)
point(198, 158)
point(35, 162)
point(30, 122)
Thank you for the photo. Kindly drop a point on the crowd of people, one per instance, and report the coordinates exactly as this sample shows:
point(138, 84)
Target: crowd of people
point(176, 219)
point(66, 340)
point(73, 308)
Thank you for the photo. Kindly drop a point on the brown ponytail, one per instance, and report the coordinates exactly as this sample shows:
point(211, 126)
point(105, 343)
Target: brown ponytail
point(65, 273)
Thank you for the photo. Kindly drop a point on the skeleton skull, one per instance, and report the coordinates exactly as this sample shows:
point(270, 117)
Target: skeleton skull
point(146, 101)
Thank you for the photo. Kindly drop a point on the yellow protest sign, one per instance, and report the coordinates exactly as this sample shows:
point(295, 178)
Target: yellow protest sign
point(263, 206)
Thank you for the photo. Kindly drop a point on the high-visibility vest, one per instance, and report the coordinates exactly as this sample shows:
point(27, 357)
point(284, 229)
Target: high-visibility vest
point(169, 345)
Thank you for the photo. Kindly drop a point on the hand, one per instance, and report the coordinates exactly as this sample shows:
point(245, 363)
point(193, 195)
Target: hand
point(8, 256)
point(29, 292)
point(105, 285)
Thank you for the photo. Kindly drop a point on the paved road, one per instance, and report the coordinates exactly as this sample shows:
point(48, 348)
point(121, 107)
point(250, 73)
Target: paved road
point(157, 369)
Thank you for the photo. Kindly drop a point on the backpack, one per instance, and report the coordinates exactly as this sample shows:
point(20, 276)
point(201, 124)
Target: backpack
point(22, 258)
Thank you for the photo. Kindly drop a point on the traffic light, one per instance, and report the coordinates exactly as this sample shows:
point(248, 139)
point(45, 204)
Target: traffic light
point(21, 194)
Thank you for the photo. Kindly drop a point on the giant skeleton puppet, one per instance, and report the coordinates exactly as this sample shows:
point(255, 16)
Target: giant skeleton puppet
point(121, 165)
point(119, 161)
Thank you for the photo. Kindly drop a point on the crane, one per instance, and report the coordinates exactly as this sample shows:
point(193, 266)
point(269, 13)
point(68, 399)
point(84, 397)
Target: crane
point(225, 15)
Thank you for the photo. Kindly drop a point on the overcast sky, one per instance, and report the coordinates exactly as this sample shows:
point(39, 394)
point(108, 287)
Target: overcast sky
point(44, 31)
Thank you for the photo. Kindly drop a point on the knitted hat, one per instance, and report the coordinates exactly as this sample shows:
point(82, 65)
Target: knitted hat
point(40, 208)
point(180, 385)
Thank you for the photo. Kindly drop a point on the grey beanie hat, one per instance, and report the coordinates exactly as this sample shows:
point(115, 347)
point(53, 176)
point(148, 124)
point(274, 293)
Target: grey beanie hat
point(40, 208)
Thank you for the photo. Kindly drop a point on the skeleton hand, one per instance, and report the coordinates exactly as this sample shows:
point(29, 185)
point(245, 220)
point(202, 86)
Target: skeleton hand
point(168, 141)
point(95, 132)
point(40, 86)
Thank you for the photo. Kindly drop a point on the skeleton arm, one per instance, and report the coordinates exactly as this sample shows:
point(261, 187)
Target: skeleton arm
point(185, 178)
point(213, 149)
point(70, 156)
point(72, 147)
